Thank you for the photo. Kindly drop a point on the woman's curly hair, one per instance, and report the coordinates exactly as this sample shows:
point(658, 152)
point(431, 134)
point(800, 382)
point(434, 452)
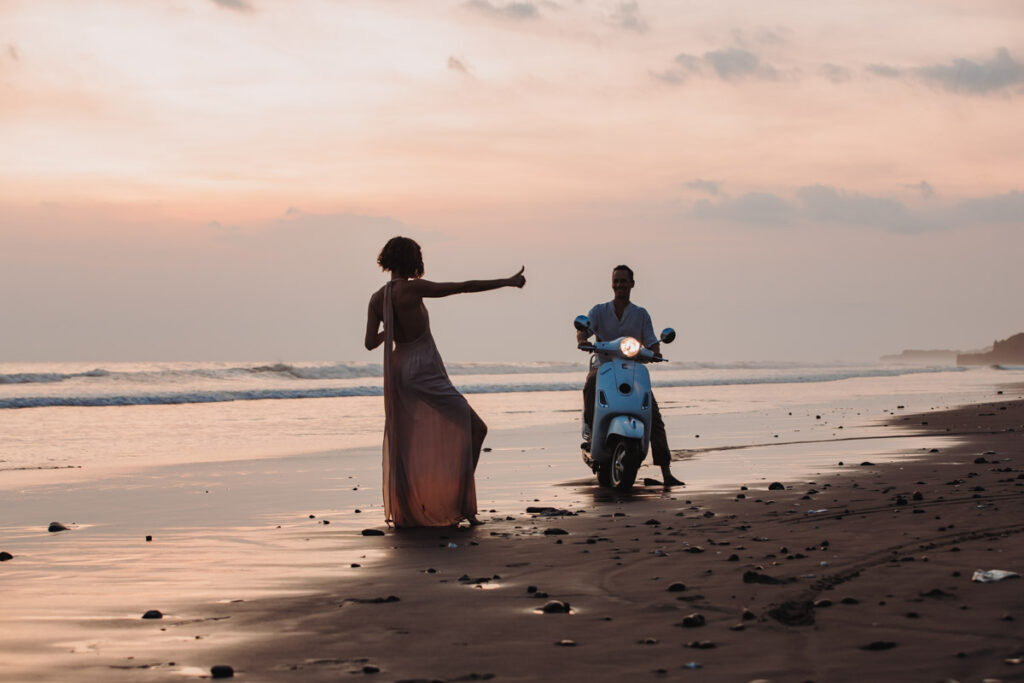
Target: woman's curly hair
point(402, 256)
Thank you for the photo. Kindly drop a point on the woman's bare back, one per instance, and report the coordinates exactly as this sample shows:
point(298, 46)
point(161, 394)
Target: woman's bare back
point(411, 319)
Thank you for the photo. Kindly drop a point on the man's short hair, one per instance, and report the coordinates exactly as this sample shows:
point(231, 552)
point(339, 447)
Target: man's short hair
point(625, 268)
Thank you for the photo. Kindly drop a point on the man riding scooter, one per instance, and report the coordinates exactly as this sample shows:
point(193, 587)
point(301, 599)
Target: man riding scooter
point(617, 318)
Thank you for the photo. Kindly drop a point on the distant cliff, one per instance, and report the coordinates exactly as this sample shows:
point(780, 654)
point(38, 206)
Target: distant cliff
point(1008, 351)
point(930, 357)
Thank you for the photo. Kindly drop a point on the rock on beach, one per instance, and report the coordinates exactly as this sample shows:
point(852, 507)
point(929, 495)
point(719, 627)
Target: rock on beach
point(555, 607)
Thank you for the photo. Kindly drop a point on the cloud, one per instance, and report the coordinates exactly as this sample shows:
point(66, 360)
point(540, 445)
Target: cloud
point(733, 63)
point(821, 205)
point(290, 287)
point(456, 64)
point(237, 5)
point(976, 78)
point(688, 62)
point(627, 17)
point(836, 73)
point(511, 10)
point(761, 36)
point(884, 70)
point(754, 208)
point(963, 76)
point(712, 187)
point(1000, 208)
point(728, 64)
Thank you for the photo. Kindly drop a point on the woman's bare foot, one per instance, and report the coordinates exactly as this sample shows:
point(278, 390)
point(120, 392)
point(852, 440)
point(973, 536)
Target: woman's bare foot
point(474, 520)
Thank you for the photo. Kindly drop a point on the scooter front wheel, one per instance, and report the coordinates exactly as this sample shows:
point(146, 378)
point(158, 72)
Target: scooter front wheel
point(624, 464)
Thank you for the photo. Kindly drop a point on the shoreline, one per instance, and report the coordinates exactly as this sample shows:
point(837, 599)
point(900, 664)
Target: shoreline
point(607, 565)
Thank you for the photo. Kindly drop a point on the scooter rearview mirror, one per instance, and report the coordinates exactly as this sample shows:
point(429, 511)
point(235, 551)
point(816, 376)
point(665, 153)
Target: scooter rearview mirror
point(668, 335)
point(582, 323)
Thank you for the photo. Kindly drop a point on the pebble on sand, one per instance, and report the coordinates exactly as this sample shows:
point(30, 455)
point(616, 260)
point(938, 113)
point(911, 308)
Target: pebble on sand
point(776, 486)
point(879, 645)
point(676, 587)
point(565, 642)
point(693, 620)
point(751, 576)
point(372, 601)
point(222, 671)
point(793, 613)
point(372, 532)
point(555, 607)
point(555, 531)
point(4, 556)
point(153, 614)
point(55, 527)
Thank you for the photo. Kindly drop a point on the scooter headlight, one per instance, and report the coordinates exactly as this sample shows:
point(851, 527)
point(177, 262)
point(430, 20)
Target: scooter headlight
point(629, 347)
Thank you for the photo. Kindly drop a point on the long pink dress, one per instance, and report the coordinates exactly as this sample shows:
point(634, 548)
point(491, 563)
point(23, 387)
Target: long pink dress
point(428, 449)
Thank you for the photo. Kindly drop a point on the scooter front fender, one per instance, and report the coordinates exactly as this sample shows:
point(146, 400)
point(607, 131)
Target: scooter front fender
point(627, 427)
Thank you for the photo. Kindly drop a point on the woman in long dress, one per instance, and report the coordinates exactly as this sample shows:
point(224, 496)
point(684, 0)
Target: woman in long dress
point(432, 437)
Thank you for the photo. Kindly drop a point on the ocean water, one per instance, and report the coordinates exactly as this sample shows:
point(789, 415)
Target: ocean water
point(94, 418)
point(34, 385)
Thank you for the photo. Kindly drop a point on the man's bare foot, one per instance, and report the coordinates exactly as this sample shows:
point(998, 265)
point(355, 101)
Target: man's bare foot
point(670, 480)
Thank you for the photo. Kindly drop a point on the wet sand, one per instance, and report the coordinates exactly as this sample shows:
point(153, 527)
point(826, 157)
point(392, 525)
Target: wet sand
point(863, 571)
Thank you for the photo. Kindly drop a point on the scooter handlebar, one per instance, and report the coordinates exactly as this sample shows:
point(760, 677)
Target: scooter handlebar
point(645, 355)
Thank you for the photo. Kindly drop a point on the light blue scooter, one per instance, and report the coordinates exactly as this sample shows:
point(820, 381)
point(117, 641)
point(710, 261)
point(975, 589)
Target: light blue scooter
point(621, 433)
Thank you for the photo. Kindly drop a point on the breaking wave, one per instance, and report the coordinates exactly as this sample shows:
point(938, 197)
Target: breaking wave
point(796, 375)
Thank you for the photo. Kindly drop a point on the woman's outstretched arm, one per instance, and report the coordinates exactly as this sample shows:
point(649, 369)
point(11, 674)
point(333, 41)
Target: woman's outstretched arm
point(374, 335)
point(428, 289)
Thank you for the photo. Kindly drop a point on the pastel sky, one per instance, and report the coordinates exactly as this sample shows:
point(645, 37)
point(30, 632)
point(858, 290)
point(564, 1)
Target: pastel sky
point(212, 179)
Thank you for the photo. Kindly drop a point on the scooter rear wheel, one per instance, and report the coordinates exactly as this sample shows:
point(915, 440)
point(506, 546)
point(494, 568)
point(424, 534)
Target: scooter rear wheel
point(624, 464)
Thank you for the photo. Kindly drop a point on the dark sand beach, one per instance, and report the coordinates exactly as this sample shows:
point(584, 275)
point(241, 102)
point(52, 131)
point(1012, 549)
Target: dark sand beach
point(861, 573)
point(734, 587)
